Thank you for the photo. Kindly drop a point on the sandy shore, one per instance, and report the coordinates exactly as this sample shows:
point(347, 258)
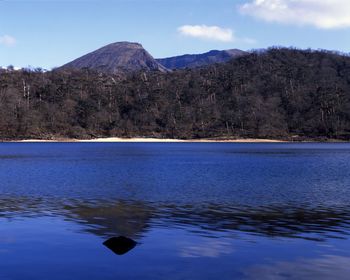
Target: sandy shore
point(155, 140)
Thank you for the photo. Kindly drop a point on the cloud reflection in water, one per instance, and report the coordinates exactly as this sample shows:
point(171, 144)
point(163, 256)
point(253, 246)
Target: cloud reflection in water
point(323, 268)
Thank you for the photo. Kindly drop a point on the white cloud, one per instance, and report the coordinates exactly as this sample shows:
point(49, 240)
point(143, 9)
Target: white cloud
point(324, 14)
point(7, 40)
point(214, 33)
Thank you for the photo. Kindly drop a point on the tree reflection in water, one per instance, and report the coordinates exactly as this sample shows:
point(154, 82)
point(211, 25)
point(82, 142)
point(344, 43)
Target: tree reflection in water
point(135, 218)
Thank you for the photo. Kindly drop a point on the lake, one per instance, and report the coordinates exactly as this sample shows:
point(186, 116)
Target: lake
point(195, 210)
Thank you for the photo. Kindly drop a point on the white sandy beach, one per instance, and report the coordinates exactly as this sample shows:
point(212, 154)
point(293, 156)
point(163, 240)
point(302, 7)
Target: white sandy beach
point(154, 140)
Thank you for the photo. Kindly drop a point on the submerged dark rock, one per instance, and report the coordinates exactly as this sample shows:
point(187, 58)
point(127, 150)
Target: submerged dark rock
point(120, 245)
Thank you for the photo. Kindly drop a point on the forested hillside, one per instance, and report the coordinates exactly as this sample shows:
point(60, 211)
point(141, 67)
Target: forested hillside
point(278, 93)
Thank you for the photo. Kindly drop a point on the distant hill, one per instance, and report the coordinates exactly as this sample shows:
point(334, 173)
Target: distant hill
point(117, 57)
point(197, 60)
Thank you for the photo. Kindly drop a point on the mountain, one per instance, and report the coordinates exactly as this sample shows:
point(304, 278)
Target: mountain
point(128, 57)
point(117, 57)
point(197, 60)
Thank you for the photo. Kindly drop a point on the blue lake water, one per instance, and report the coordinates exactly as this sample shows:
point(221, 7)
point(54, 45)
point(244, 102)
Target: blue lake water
point(196, 210)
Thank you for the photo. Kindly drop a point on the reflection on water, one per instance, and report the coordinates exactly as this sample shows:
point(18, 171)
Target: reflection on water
point(194, 211)
point(134, 218)
point(200, 231)
point(103, 218)
point(324, 268)
point(278, 221)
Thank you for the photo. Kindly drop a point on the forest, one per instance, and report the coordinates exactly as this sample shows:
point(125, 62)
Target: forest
point(278, 93)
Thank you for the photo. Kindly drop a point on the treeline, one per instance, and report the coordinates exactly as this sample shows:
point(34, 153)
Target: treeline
point(279, 93)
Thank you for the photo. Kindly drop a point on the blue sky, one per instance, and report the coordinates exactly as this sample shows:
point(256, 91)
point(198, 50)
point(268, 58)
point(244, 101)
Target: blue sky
point(49, 33)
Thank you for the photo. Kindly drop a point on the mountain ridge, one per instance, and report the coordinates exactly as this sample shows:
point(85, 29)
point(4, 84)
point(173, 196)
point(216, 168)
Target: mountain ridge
point(121, 57)
point(199, 60)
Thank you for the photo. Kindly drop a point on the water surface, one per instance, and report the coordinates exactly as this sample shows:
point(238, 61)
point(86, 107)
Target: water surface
point(196, 210)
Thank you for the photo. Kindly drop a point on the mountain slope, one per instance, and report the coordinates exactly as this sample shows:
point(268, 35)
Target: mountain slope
point(197, 60)
point(117, 57)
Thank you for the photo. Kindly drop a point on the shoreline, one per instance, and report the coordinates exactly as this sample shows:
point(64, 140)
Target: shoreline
point(170, 140)
point(145, 140)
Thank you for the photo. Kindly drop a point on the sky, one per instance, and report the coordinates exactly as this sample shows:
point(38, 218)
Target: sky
point(50, 33)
